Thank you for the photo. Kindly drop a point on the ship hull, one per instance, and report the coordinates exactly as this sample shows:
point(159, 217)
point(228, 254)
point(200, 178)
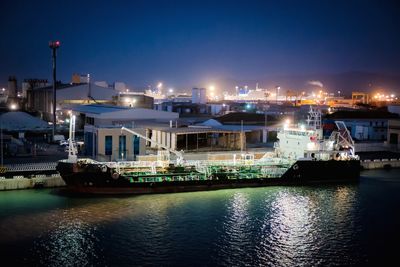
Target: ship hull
point(92, 179)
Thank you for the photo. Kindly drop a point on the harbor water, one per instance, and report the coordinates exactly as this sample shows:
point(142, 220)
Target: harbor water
point(326, 225)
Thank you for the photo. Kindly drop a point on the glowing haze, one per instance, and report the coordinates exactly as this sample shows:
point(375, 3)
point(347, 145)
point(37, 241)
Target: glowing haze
point(197, 43)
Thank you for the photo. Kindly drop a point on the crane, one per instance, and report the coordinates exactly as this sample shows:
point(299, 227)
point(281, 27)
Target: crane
point(179, 155)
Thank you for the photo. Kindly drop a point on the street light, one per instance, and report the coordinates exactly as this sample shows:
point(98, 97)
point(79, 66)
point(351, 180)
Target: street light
point(277, 93)
point(338, 93)
point(54, 45)
point(13, 106)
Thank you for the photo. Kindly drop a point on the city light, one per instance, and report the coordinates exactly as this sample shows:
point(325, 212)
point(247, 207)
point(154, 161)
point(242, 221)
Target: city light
point(171, 90)
point(384, 97)
point(159, 85)
point(286, 124)
point(13, 106)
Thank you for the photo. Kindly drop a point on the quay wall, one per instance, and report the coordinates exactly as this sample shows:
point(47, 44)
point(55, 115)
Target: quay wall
point(20, 182)
point(380, 164)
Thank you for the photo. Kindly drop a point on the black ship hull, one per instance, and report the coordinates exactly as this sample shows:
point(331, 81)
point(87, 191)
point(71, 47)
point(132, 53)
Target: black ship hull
point(95, 179)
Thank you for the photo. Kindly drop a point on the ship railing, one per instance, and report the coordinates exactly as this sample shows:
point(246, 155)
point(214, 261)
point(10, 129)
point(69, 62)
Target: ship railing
point(264, 162)
point(152, 165)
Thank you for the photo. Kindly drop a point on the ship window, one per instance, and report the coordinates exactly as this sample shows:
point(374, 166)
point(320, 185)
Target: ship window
point(108, 145)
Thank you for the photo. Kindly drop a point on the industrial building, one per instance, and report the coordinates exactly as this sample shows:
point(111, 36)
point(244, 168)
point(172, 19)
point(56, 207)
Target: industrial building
point(393, 134)
point(41, 99)
point(135, 100)
point(197, 138)
point(363, 125)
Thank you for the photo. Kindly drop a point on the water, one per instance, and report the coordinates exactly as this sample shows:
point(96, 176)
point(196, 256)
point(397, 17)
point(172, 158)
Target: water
point(329, 225)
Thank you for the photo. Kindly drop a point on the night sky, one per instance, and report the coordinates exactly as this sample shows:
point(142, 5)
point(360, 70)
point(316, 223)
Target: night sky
point(195, 43)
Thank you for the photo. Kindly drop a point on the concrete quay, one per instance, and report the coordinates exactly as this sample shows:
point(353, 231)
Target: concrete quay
point(40, 181)
point(369, 164)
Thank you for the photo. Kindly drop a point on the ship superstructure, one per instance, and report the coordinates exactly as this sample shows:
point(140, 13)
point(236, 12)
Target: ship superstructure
point(308, 142)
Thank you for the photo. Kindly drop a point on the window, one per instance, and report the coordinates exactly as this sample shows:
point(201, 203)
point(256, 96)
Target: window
point(135, 144)
point(90, 120)
point(108, 145)
point(122, 147)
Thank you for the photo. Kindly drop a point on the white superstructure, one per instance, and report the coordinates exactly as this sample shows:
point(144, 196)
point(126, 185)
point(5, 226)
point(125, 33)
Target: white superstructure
point(307, 142)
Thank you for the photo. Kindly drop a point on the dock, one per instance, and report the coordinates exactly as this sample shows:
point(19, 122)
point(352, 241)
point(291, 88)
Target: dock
point(30, 175)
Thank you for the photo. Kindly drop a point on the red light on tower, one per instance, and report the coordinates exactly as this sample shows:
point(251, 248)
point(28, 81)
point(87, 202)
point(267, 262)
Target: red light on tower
point(54, 44)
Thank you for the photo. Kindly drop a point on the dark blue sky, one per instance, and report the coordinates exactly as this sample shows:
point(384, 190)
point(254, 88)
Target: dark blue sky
point(193, 43)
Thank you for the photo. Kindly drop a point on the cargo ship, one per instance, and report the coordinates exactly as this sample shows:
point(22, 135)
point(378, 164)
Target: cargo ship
point(301, 156)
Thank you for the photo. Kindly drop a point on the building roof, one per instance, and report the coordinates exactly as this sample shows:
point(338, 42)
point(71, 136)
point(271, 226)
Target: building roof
point(97, 109)
point(81, 92)
point(247, 118)
point(194, 130)
point(123, 113)
point(362, 114)
point(235, 127)
point(21, 121)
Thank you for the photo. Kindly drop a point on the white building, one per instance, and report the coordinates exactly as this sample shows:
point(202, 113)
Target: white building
point(102, 130)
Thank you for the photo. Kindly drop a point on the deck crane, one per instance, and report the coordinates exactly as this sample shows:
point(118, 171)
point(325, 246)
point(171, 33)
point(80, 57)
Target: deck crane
point(179, 155)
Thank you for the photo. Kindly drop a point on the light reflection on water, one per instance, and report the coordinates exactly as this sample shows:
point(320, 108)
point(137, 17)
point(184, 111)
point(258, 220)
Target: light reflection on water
point(289, 230)
point(69, 243)
point(271, 226)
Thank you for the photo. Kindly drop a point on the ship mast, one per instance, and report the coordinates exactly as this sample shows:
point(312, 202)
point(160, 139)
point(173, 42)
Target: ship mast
point(314, 119)
point(72, 157)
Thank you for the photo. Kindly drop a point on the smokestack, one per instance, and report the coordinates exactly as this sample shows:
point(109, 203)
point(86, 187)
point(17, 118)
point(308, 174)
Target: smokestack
point(12, 86)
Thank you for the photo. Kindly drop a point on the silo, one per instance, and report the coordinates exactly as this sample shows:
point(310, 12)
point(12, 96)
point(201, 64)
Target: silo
point(195, 95)
point(199, 96)
point(203, 96)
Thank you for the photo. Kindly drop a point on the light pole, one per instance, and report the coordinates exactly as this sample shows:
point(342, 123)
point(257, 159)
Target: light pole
point(54, 45)
point(277, 93)
point(266, 127)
